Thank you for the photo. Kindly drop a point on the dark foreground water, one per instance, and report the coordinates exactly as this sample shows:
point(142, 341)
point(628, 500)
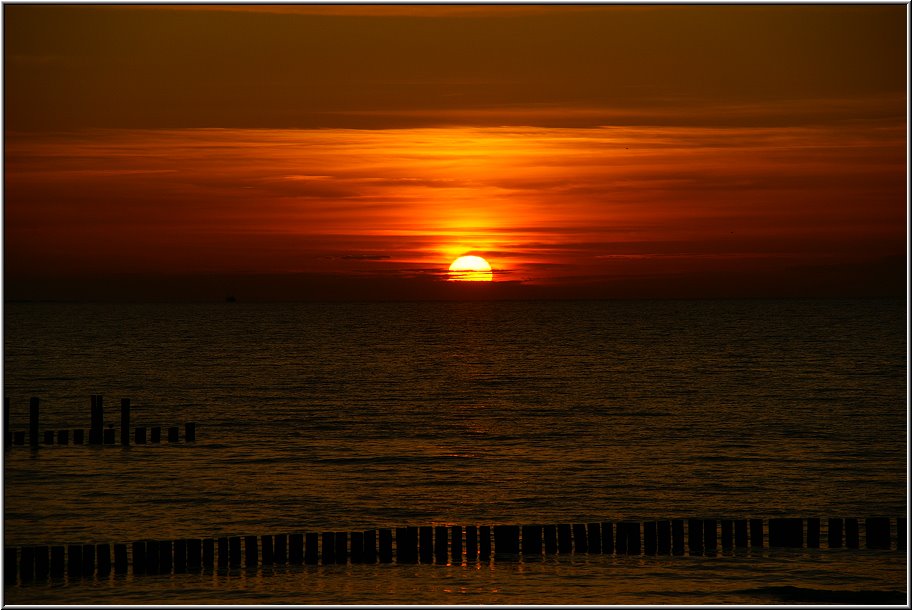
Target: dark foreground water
point(316, 417)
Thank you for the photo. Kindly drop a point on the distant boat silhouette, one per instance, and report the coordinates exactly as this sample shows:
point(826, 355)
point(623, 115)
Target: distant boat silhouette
point(230, 299)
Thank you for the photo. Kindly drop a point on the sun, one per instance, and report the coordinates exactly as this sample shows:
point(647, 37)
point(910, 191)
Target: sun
point(471, 269)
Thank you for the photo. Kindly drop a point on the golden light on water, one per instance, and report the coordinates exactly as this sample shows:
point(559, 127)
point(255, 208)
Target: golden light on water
point(471, 269)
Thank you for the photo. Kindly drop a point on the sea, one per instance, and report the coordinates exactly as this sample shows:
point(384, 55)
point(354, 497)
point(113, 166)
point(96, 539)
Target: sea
point(346, 416)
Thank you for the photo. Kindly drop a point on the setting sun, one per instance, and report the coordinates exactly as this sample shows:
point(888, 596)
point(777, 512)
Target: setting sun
point(472, 269)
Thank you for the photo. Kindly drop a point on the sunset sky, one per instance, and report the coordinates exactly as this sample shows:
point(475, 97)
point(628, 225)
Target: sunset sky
point(301, 152)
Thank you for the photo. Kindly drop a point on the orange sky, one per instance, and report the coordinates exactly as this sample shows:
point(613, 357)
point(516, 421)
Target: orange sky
point(354, 152)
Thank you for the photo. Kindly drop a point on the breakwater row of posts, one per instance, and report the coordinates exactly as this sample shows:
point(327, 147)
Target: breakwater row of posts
point(97, 433)
point(446, 545)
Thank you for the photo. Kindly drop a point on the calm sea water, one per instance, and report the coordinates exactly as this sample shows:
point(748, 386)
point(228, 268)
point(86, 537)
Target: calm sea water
point(346, 416)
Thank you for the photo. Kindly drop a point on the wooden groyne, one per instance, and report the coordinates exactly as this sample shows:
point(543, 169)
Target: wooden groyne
point(97, 433)
point(445, 545)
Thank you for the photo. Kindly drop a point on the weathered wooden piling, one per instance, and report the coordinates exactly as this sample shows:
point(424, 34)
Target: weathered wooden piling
point(407, 544)
point(224, 553)
point(63, 437)
point(74, 560)
point(27, 564)
point(580, 541)
point(180, 556)
point(594, 537)
point(267, 549)
point(19, 437)
point(677, 536)
point(234, 552)
point(281, 548)
point(10, 564)
point(173, 434)
point(834, 533)
point(88, 560)
point(471, 543)
point(194, 554)
point(813, 532)
point(385, 553)
point(7, 431)
point(506, 541)
point(663, 531)
point(139, 437)
point(139, 557)
point(103, 554)
point(190, 432)
point(564, 538)
point(426, 544)
point(650, 538)
point(327, 548)
point(440, 544)
point(58, 561)
point(695, 536)
point(120, 558)
point(620, 540)
point(901, 533)
point(727, 527)
point(165, 556)
point(550, 537)
point(456, 544)
point(710, 536)
point(370, 546)
point(786, 532)
point(208, 553)
point(607, 537)
point(357, 547)
point(78, 437)
point(341, 542)
point(741, 533)
point(33, 421)
point(109, 436)
point(877, 532)
point(311, 548)
point(42, 562)
point(156, 434)
point(756, 533)
point(296, 549)
point(251, 552)
point(532, 540)
point(632, 529)
point(48, 437)
point(96, 424)
point(484, 542)
point(851, 532)
point(125, 422)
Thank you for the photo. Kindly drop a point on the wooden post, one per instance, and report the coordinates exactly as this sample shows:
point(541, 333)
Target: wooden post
point(78, 437)
point(42, 562)
point(10, 569)
point(103, 553)
point(48, 437)
point(33, 421)
point(251, 552)
point(120, 559)
point(58, 561)
point(532, 540)
point(633, 538)
point(74, 560)
point(63, 437)
point(341, 547)
point(386, 545)
point(741, 533)
point(484, 542)
point(7, 432)
point(125, 422)
point(224, 553)
point(208, 553)
point(550, 532)
point(281, 548)
point(710, 536)
point(156, 434)
point(139, 557)
point(19, 437)
point(564, 538)
point(506, 541)
point(728, 529)
point(194, 554)
point(109, 436)
point(664, 534)
point(370, 546)
point(901, 533)
point(813, 532)
point(677, 536)
point(456, 544)
point(311, 548)
point(268, 550)
point(165, 556)
point(594, 537)
point(580, 543)
point(607, 537)
point(407, 544)
point(97, 422)
point(328, 548)
point(296, 549)
point(786, 532)
point(650, 537)
point(851, 532)
point(357, 547)
point(877, 533)
point(234, 551)
point(27, 564)
point(695, 536)
point(620, 541)
point(173, 434)
point(140, 436)
point(190, 432)
point(440, 544)
point(834, 533)
point(471, 543)
point(88, 560)
point(756, 533)
point(426, 544)
point(180, 556)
